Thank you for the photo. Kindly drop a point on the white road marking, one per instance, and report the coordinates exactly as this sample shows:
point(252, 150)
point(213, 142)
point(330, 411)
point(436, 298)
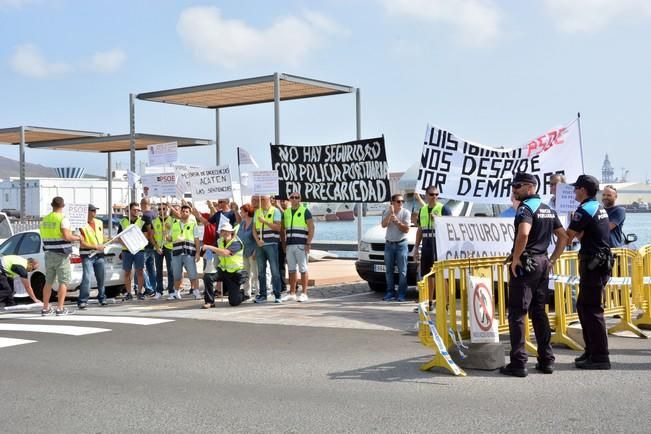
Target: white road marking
point(10, 342)
point(91, 318)
point(57, 329)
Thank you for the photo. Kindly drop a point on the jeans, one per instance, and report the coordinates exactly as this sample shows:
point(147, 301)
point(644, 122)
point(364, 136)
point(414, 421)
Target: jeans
point(150, 270)
point(396, 254)
point(268, 252)
point(167, 256)
point(89, 265)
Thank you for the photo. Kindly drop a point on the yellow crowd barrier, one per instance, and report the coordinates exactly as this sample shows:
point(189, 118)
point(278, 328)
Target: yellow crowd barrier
point(626, 289)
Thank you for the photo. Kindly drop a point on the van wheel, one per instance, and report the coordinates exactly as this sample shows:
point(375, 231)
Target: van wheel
point(114, 291)
point(378, 286)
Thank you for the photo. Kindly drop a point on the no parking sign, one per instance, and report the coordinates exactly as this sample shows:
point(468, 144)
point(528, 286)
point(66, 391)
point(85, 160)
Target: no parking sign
point(483, 324)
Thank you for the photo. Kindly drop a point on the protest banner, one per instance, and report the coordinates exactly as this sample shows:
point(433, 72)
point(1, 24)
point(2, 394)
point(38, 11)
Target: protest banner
point(565, 199)
point(343, 172)
point(160, 184)
point(265, 182)
point(473, 237)
point(467, 171)
point(183, 178)
point(211, 183)
point(481, 309)
point(133, 239)
point(77, 215)
point(162, 154)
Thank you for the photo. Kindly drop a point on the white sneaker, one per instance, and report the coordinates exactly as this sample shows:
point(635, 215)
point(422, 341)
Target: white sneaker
point(157, 296)
point(178, 295)
point(172, 296)
point(289, 297)
point(303, 297)
point(197, 294)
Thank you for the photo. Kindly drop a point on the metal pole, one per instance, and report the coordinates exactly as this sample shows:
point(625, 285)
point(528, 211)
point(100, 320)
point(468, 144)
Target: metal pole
point(578, 119)
point(132, 141)
point(22, 173)
point(358, 129)
point(109, 204)
point(277, 109)
point(217, 144)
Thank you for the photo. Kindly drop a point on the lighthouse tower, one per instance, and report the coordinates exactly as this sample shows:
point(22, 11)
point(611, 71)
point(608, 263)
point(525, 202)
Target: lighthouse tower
point(607, 171)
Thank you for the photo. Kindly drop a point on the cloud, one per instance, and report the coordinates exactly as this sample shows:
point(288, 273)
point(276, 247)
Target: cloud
point(27, 60)
point(477, 22)
point(231, 43)
point(592, 15)
point(106, 61)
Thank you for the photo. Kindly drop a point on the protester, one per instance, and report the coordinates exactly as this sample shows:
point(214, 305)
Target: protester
point(554, 180)
point(245, 234)
point(297, 234)
point(148, 216)
point(267, 236)
point(130, 260)
point(616, 216)
point(91, 251)
point(57, 244)
point(595, 264)
point(396, 220)
point(162, 227)
point(534, 224)
point(230, 267)
point(282, 205)
point(12, 266)
point(185, 253)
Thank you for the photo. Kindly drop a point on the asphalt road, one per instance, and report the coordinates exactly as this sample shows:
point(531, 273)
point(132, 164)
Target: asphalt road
point(201, 375)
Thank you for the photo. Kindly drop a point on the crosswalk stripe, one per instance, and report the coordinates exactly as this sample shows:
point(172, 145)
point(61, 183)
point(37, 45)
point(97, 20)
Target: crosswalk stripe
point(58, 329)
point(91, 318)
point(10, 342)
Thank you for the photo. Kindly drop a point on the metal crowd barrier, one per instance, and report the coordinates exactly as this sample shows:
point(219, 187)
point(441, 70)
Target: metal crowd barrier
point(627, 289)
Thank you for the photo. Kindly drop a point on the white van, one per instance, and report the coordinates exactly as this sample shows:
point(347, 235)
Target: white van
point(370, 254)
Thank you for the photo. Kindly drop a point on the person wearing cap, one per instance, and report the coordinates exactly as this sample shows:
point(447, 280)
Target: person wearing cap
point(91, 250)
point(12, 266)
point(57, 245)
point(529, 275)
point(616, 216)
point(590, 222)
point(229, 267)
point(162, 226)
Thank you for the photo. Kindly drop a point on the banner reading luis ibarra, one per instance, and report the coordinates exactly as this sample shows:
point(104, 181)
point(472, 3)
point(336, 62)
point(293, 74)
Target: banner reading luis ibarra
point(477, 173)
point(343, 172)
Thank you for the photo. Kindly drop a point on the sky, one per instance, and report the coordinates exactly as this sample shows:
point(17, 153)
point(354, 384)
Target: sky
point(497, 73)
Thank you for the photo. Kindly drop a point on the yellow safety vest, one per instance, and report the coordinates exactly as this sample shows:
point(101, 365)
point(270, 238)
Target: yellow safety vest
point(126, 222)
point(268, 235)
point(426, 220)
point(295, 225)
point(160, 230)
point(11, 260)
point(52, 235)
point(94, 238)
point(183, 238)
point(235, 262)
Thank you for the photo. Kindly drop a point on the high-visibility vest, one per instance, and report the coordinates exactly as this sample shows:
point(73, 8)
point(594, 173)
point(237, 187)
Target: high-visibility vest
point(295, 225)
point(91, 237)
point(426, 220)
point(160, 231)
point(52, 235)
point(11, 260)
point(268, 235)
point(233, 263)
point(126, 222)
point(183, 238)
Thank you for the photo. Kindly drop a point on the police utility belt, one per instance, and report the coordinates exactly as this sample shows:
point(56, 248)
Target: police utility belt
point(528, 261)
point(603, 259)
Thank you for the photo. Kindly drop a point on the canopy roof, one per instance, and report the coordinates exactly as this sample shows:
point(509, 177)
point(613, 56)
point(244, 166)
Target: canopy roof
point(246, 91)
point(40, 134)
point(117, 143)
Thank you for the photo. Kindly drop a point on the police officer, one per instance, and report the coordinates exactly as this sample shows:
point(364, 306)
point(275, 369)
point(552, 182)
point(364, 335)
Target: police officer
point(591, 220)
point(529, 277)
point(12, 266)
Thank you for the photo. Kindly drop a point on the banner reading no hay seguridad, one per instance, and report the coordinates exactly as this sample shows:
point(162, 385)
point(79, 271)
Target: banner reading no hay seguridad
point(344, 172)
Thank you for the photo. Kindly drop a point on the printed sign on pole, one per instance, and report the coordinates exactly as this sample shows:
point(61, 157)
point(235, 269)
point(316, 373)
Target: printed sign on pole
point(565, 201)
point(265, 182)
point(77, 214)
point(483, 325)
point(162, 153)
point(213, 183)
point(160, 184)
point(133, 239)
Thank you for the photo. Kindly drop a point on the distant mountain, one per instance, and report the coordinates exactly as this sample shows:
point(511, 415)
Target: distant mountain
point(11, 168)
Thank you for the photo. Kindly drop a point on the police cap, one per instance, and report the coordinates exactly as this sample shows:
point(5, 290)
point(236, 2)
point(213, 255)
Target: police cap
point(590, 183)
point(522, 177)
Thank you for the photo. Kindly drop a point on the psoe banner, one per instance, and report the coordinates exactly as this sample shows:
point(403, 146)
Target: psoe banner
point(473, 237)
point(343, 172)
point(212, 183)
point(471, 172)
point(159, 184)
point(481, 308)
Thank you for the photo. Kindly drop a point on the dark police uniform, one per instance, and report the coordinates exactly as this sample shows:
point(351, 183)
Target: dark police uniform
point(592, 219)
point(528, 290)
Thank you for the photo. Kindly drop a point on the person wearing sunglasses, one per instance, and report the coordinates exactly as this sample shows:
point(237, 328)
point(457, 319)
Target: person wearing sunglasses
point(297, 233)
point(396, 220)
point(535, 222)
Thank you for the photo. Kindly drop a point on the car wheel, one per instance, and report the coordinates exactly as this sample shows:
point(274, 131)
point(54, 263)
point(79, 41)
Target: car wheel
point(114, 291)
point(378, 286)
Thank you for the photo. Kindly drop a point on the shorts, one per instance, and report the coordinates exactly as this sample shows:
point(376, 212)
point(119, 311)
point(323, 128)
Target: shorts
point(57, 267)
point(129, 260)
point(187, 261)
point(296, 257)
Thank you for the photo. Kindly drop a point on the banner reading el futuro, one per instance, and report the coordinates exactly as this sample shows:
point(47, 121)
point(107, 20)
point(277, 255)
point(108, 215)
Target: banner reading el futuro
point(343, 172)
point(477, 173)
